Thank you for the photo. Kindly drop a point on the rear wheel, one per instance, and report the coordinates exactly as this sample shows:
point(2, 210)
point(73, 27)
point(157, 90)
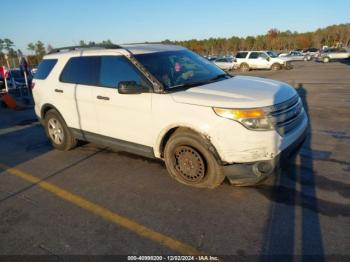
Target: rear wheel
point(244, 67)
point(57, 131)
point(189, 160)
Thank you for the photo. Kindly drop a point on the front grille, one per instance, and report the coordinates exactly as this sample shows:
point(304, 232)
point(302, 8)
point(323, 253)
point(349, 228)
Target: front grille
point(288, 115)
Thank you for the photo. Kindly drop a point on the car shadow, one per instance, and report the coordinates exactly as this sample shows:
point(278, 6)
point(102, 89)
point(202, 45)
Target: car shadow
point(293, 199)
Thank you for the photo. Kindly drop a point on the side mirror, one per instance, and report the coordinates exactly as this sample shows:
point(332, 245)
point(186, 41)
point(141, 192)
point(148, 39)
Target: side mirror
point(268, 58)
point(129, 87)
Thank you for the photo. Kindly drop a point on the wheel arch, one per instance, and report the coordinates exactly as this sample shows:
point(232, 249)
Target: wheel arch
point(166, 133)
point(45, 108)
point(276, 64)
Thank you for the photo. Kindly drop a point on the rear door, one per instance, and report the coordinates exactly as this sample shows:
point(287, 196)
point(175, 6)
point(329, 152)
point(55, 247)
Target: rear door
point(253, 59)
point(78, 79)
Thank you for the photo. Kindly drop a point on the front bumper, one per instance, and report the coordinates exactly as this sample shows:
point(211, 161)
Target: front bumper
point(252, 173)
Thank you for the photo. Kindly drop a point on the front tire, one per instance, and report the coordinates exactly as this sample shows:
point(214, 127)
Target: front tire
point(190, 162)
point(325, 59)
point(276, 67)
point(57, 131)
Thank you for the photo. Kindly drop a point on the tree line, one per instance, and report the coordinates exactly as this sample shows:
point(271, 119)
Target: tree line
point(335, 35)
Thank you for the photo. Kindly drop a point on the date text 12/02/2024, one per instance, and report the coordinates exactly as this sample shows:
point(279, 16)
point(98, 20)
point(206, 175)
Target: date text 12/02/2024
point(173, 258)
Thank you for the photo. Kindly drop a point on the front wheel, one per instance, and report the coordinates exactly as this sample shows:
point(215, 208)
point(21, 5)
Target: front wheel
point(325, 59)
point(276, 67)
point(189, 160)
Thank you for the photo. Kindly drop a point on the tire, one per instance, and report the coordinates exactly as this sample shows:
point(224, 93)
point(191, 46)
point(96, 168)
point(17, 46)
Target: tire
point(57, 131)
point(244, 67)
point(275, 67)
point(190, 162)
point(325, 59)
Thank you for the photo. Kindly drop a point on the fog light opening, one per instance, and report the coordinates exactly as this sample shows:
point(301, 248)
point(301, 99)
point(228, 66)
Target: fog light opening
point(262, 168)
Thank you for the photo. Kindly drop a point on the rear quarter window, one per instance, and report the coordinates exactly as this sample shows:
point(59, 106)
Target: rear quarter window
point(44, 69)
point(241, 55)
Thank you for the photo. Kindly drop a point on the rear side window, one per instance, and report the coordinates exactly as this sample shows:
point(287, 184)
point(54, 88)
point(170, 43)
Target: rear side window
point(115, 69)
point(82, 70)
point(44, 69)
point(241, 55)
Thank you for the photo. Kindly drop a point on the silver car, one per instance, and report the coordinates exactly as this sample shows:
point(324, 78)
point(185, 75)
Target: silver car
point(333, 54)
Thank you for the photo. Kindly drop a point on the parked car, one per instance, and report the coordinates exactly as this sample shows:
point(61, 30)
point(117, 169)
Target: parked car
point(16, 79)
point(166, 102)
point(327, 55)
point(310, 53)
point(211, 58)
point(224, 63)
point(246, 60)
point(294, 56)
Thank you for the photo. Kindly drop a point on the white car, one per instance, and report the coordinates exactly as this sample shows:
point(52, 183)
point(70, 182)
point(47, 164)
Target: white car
point(247, 60)
point(224, 63)
point(166, 102)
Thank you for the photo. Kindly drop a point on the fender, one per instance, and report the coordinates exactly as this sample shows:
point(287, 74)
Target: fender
point(46, 107)
point(167, 131)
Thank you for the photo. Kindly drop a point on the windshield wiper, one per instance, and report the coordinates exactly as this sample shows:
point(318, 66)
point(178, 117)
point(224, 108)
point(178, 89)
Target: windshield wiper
point(198, 83)
point(219, 76)
point(190, 84)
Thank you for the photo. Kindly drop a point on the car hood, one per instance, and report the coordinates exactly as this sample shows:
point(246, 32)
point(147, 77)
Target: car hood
point(282, 58)
point(237, 92)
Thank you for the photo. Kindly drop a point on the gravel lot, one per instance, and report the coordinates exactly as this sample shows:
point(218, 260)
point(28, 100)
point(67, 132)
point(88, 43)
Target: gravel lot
point(132, 206)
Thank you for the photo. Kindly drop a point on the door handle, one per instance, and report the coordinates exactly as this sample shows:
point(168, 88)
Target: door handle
point(103, 97)
point(58, 90)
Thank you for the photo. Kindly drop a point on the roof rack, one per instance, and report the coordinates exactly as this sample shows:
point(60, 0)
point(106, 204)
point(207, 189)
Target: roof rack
point(157, 85)
point(71, 48)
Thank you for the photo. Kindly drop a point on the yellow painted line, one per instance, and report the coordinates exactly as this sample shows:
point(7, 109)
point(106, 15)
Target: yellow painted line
point(122, 221)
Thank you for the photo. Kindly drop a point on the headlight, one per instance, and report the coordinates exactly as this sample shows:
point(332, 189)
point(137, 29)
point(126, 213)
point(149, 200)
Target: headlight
point(255, 119)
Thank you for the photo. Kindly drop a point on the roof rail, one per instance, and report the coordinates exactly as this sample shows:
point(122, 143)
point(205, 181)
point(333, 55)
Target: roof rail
point(71, 48)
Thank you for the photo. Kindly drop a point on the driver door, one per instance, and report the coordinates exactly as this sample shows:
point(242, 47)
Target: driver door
point(262, 61)
point(124, 117)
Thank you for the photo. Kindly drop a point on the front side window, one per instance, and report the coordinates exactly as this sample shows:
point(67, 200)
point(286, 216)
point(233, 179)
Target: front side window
point(82, 70)
point(263, 55)
point(115, 69)
point(254, 55)
point(272, 54)
point(179, 68)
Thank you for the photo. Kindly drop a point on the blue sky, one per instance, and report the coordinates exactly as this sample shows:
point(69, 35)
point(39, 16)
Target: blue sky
point(65, 22)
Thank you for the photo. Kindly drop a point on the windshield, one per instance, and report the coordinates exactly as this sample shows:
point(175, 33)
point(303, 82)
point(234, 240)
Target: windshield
point(179, 68)
point(272, 54)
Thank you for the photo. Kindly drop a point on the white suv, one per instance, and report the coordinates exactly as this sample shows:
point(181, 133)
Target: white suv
point(166, 102)
point(246, 60)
